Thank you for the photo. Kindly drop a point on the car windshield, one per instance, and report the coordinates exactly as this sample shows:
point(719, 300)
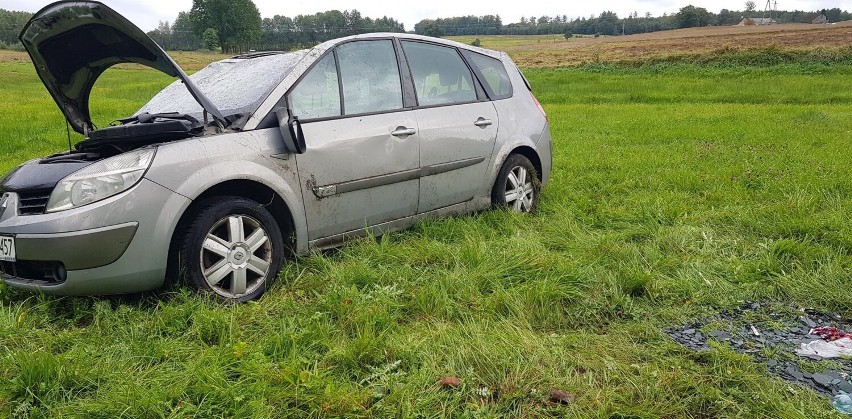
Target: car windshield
point(235, 86)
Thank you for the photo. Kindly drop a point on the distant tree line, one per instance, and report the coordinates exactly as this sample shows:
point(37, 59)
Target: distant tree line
point(178, 36)
point(463, 25)
point(285, 33)
point(236, 25)
point(609, 23)
point(11, 24)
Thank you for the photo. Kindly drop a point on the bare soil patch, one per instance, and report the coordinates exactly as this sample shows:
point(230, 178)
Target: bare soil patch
point(681, 42)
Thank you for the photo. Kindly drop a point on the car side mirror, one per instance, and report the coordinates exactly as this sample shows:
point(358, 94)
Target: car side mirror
point(291, 130)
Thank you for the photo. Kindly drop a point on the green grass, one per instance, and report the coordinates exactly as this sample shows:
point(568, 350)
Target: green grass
point(34, 125)
point(677, 191)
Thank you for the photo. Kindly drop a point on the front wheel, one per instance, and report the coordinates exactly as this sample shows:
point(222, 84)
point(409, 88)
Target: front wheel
point(517, 185)
point(233, 249)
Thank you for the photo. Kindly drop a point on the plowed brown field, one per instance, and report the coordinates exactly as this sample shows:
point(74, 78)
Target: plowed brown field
point(555, 51)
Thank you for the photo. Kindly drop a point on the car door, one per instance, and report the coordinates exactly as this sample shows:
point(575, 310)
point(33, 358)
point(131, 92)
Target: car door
point(361, 166)
point(457, 125)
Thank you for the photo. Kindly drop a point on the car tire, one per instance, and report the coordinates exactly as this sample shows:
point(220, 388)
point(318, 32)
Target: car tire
point(233, 249)
point(517, 186)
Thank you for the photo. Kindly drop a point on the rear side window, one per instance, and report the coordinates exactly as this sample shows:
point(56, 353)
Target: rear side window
point(318, 93)
point(440, 75)
point(370, 76)
point(493, 73)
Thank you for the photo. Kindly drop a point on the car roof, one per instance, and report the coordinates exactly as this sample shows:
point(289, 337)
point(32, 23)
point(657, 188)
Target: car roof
point(408, 36)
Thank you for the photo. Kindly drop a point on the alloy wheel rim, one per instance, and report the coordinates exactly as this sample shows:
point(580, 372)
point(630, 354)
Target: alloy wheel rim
point(520, 190)
point(236, 256)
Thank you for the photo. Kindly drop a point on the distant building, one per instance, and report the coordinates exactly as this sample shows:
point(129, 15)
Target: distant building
point(817, 19)
point(748, 21)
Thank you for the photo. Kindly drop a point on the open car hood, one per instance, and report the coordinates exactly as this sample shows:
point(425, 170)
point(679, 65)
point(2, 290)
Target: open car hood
point(73, 42)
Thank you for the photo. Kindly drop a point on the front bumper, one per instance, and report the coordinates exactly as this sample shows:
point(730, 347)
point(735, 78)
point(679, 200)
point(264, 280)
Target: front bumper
point(78, 249)
point(119, 245)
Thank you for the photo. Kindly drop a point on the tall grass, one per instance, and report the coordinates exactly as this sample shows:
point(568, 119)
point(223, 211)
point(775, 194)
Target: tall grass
point(762, 56)
point(677, 191)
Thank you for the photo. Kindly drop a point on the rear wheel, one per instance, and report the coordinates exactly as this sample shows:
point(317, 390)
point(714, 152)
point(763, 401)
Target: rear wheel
point(233, 249)
point(517, 185)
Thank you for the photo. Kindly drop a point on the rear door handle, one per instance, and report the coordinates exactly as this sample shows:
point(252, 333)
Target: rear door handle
point(403, 132)
point(482, 122)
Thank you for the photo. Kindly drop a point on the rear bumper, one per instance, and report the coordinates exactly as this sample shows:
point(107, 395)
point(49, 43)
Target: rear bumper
point(545, 153)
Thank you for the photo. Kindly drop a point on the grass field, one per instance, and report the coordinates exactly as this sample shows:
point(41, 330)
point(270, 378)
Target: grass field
point(677, 191)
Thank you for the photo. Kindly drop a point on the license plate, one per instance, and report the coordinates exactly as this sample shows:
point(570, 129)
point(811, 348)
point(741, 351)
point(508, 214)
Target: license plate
point(7, 248)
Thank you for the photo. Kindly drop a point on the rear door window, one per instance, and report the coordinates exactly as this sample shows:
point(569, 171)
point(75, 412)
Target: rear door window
point(440, 75)
point(493, 73)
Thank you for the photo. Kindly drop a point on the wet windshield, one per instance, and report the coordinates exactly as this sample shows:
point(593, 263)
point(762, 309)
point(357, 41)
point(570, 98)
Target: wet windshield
point(235, 86)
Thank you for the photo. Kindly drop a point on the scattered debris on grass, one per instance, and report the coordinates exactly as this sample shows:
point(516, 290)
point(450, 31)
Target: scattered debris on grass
point(827, 348)
point(561, 397)
point(843, 403)
point(831, 333)
point(450, 382)
point(775, 335)
point(486, 393)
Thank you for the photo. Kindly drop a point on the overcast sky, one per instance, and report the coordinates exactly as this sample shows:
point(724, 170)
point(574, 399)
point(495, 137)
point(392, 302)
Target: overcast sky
point(147, 13)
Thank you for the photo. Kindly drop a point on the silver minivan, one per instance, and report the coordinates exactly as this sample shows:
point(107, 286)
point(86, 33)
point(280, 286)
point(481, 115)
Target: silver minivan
point(225, 174)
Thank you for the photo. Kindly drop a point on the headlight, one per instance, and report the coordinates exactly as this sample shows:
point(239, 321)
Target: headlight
point(101, 180)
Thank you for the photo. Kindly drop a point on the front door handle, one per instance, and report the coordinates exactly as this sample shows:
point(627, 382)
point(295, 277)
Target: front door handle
point(482, 122)
point(403, 132)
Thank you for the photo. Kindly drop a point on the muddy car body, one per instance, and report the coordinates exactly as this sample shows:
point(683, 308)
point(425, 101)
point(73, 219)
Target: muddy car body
point(224, 174)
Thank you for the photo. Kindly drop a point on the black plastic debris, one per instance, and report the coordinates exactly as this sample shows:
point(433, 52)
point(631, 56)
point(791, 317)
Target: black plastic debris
point(771, 333)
